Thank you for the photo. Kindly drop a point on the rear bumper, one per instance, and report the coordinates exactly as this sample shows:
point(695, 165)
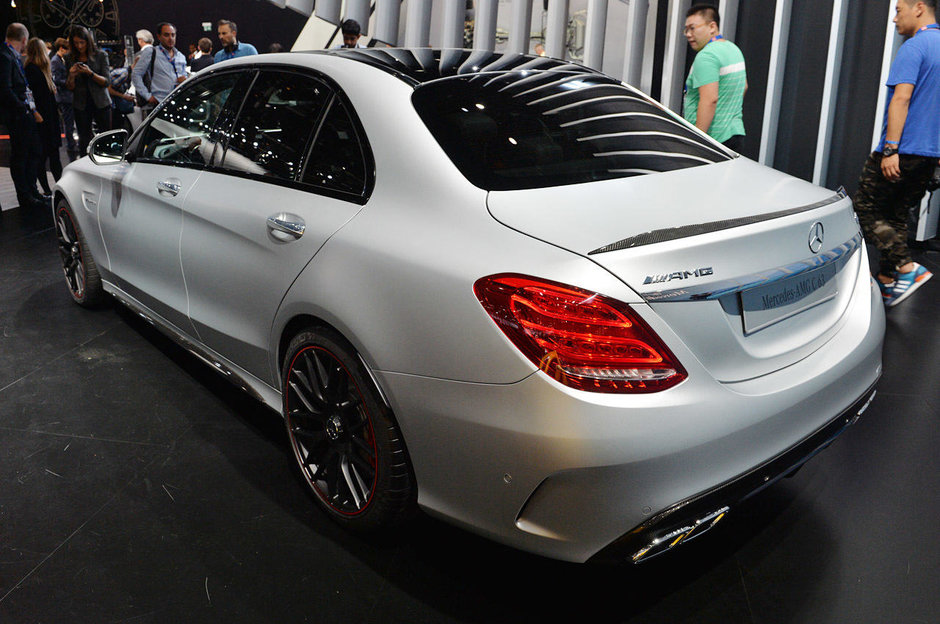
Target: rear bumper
point(567, 474)
point(694, 516)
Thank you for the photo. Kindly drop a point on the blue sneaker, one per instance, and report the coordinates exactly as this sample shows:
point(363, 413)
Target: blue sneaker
point(905, 284)
point(886, 290)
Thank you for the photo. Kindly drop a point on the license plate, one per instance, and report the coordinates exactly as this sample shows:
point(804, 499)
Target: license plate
point(763, 306)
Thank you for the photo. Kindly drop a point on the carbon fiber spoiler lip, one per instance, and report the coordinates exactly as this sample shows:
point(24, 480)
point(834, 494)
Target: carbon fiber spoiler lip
point(685, 231)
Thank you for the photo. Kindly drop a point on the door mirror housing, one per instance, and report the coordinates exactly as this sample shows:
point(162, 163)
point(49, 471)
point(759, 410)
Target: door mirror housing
point(108, 147)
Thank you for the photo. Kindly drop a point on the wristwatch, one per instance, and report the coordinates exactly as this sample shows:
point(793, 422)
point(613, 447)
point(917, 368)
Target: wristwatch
point(889, 150)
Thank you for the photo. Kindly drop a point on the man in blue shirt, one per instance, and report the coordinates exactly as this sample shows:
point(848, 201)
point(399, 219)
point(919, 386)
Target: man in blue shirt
point(231, 47)
point(896, 175)
point(160, 67)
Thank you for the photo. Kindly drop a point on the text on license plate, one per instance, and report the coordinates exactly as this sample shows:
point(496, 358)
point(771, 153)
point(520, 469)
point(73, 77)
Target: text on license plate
point(763, 306)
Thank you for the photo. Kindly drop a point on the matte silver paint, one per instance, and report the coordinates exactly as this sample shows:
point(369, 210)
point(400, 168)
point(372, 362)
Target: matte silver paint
point(395, 277)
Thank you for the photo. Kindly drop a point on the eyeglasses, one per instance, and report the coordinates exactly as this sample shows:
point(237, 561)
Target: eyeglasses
point(691, 28)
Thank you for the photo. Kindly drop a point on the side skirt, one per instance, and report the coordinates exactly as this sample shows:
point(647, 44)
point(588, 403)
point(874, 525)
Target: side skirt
point(237, 376)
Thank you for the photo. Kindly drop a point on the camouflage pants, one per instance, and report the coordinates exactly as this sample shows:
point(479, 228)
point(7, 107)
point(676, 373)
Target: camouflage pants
point(883, 206)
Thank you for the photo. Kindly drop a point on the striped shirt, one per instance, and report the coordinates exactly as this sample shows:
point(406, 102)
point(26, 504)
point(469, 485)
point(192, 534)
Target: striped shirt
point(722, 62)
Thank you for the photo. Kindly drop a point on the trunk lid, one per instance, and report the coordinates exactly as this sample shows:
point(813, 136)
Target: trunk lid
point(727, 254)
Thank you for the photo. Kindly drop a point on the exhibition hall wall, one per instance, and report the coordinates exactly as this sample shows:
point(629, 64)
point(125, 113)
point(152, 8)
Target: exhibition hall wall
point(813, 51)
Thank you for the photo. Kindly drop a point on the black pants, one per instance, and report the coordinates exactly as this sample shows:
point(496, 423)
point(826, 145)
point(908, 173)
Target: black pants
point(883, 206)
point(49, 155)
point(25, 152)
point(83, 119)
point(735, 143)
point(68, 121)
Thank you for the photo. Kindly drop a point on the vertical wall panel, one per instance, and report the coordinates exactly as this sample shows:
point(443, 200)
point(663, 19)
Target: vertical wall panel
point(329, 10)
point(304, 7)
point(635, 46)
point(803, 87)
point(452, 25)
point(778, 55)
point(520, 26)
point(830, 90)
point(674, 60)
point(728, 10)
point(387, 17)
point(929, 218)
point(659, 21)
point(418, 26)
point(892, 42)
point(484, 29)
point(358, 10)
point(556, 28)
point(755, 25)
point(861, 86)
point(594, 33)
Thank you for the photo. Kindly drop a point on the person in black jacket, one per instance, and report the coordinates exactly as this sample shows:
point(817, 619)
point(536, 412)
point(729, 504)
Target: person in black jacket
point(205, 59)
point(88, 72)
point(63, 96)
point(18, 112)
point(50, 132)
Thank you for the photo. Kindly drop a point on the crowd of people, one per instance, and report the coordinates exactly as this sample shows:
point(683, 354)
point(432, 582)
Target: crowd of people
point(53, 89)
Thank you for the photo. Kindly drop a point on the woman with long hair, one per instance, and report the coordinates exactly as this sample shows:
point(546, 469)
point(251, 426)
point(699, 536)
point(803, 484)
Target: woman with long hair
point(88, 80)
point(39, 77)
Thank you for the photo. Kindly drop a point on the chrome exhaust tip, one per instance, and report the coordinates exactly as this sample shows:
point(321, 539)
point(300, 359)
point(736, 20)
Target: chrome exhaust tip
point(674, 538)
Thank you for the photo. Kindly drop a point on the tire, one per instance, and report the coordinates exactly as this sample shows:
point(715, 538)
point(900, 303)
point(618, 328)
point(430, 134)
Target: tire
point(81, 272)
point(345, 440)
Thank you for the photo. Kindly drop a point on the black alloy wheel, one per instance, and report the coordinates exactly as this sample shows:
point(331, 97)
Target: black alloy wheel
point(343, 436)
point(81, 272)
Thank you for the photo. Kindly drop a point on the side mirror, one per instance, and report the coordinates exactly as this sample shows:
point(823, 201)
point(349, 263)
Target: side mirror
point(108, 147)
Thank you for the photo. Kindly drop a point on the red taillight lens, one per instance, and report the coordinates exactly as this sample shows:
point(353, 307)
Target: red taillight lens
point(584, 340)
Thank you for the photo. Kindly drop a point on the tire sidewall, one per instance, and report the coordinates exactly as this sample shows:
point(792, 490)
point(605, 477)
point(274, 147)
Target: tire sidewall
point(375, 514)
point(63, 208)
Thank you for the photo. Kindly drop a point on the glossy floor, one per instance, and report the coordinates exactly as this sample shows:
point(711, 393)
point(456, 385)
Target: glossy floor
point(136, 485)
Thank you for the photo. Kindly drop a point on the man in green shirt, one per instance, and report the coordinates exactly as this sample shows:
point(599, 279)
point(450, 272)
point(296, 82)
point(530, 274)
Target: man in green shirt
point(714, 90)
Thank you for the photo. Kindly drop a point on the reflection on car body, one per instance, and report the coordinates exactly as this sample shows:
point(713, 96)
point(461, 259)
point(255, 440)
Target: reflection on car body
point(452, 273)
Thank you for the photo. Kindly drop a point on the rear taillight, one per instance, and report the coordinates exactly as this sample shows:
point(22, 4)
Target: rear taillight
point(582, 339)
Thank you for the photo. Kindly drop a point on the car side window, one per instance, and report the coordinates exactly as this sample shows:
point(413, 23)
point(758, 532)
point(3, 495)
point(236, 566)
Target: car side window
point(274, 127)
point(337, 160)
point(181, 132)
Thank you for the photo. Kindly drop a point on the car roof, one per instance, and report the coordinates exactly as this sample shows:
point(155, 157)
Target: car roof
point(417, 66)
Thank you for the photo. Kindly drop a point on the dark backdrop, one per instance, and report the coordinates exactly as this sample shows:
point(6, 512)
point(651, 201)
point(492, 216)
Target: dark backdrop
point(859, 90)
point(803, 83)
point(754, 36)
point(259, 22)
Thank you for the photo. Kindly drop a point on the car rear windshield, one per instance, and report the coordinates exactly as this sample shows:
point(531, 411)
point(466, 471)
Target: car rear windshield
point(530, 129)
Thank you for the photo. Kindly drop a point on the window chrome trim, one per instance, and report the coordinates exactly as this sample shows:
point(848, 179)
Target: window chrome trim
point(839, 255)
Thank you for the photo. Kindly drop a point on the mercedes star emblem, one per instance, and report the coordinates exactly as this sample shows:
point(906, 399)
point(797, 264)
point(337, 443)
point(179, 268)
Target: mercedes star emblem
point(816, 237)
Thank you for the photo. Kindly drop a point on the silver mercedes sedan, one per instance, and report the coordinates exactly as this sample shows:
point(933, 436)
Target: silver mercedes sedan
point(507, 290)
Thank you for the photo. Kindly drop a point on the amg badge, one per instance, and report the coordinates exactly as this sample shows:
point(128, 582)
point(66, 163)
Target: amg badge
point(677, 275)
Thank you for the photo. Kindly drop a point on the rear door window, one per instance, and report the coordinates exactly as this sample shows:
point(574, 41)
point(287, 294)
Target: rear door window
point(337, 159)
point(277, 120)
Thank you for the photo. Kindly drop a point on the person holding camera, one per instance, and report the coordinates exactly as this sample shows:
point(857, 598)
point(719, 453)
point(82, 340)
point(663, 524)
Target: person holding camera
point(88, 72)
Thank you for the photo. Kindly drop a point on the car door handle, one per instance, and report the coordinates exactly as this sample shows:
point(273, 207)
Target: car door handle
point(169, 187)
point(286, 227)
